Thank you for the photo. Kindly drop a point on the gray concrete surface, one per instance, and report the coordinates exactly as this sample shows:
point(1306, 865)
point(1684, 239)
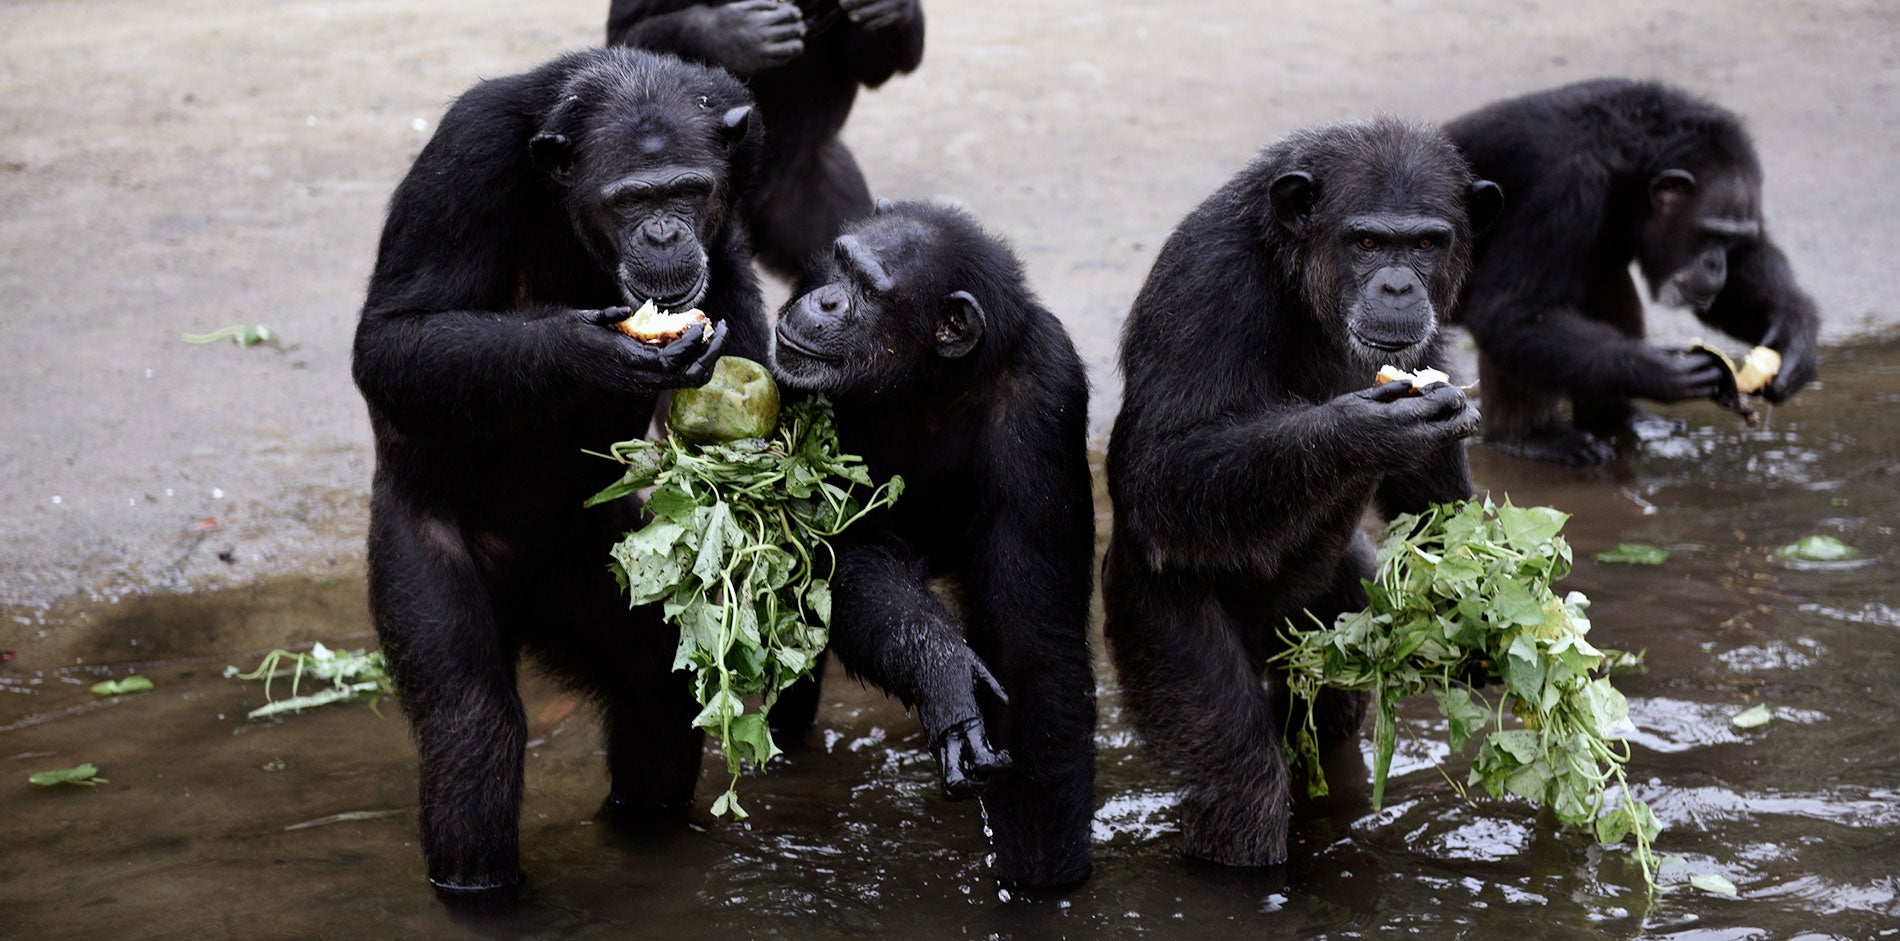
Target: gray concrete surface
point(182, 165)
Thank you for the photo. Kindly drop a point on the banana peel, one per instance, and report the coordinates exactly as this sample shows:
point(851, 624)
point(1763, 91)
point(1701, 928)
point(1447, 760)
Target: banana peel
point(1758, 369)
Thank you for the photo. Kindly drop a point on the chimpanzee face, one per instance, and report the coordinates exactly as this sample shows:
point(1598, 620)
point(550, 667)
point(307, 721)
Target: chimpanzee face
point(876, 315)
point(1692, 227)
point(646, 187)
point(1382, 260)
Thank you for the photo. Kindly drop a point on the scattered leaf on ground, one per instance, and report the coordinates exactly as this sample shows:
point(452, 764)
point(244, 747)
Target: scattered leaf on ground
point(1633, 553)
point(1819, 549)
point(1718, 885)
point(242, 334)
point(1753, 717)
point(131, 684)
point(85, 774)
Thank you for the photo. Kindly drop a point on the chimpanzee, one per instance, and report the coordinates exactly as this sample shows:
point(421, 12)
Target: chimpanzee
point(944, 368)
point(545, 207)
point(1600, 173)
point(804, 61)
point(1251, 440)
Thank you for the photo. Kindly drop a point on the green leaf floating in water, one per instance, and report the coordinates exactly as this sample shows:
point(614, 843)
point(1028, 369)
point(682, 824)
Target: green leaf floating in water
point(354, 674)
point(1712, 883)
point(85, 775)
point(1633, 553)
point(1753, 717)
point(1461, 597)
point(131, 684)
point(736, 551)
point(1819, 549)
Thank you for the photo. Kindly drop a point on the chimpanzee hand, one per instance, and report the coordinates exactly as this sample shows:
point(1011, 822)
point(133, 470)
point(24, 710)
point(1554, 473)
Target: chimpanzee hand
point(1681, 375)
point(1403, 422)
point(754, 35)
point(628, 365)
point(879, 14)
point(965, 760)
point(1798, 360)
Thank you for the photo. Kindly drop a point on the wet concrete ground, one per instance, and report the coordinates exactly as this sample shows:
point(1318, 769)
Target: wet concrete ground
point(176, 167)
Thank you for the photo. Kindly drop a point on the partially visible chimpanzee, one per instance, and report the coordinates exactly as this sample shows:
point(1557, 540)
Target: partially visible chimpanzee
point(1600, 173)
point(546, 206)
point(1252, 439)
point(945, 369)
point(804, 61)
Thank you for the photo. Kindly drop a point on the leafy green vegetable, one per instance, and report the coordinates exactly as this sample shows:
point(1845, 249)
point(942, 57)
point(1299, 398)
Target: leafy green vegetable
point(85, 774)
point(1819, 549)
point(736, 555)
point(1462, 597)
point(1753, 717)
point(1632, 553)
point(241, 334)
point(131, 684)
point(355, 674)
point(1710, 882)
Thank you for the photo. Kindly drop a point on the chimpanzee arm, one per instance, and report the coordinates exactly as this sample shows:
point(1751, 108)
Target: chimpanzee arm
point(1443, 476)
point(444, 341)
point(1761, 303)
point(887, 628)
point(1551, 343)
point(742, 37)
point(883, 38)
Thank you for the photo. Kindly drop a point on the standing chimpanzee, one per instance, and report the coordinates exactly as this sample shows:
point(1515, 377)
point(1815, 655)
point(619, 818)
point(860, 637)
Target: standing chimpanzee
point(1601, 173)
point(945, 369)
point(1251, 441)
point(545, 207)
point(804, 61)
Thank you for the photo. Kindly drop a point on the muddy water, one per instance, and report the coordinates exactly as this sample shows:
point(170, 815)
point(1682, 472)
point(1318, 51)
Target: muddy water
point(214, 826)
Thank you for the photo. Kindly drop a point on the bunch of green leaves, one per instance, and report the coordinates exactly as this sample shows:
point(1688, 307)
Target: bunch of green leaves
point(352, 675)
point(736, 553)
point(1461, 599)
point(85, 775)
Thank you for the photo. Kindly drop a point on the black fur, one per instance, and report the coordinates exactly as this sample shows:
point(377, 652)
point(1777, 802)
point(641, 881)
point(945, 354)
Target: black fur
point(805, 62)
point(488, 360)
point(947, 370)
point(1599, 174)
point(1249, 445)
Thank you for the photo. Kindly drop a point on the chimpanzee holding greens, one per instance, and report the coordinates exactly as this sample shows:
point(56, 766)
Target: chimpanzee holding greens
point(545, 208)
point(1251, 440)
point(1600, 173)
point(804, 60)
point(944, 368)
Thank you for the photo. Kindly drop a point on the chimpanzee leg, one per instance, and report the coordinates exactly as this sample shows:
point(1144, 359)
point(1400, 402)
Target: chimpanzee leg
point(455, 678)
point(1188, 684)
point(1523, 417)
point(1339, 713)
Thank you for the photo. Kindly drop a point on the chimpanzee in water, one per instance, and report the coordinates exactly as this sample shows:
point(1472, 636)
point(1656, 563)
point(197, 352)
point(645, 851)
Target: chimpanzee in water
point(1251, 440)
point(804, 61)
point(944, 368)
point(546, 206)
point(1600, 173)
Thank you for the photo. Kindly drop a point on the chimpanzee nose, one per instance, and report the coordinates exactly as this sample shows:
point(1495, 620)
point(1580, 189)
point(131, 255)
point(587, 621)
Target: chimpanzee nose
point(831, 301)
point(1395, 285)
point(661, 232)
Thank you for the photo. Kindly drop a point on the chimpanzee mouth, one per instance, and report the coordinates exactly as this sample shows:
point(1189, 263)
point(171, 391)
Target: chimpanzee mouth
point(672, 303)
point(785, 339)
point(1388, 344)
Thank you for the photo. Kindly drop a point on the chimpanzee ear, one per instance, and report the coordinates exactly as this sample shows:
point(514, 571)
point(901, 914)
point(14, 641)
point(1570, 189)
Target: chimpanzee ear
point(884, 205)
point(1668, 188)
point(1483, 203)
point(1293, 195)
point(959, 325)
point(736, 123)
point(553, 153)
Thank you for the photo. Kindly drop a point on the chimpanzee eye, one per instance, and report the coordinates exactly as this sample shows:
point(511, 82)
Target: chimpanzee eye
point(1368, 244)
point(1425, 244)
point(627, 199)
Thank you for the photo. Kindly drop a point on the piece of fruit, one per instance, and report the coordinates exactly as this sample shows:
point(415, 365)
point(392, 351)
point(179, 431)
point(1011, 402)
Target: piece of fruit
point(653, 327)
point(1419, 380)
point(1758, 369)
point(739, 401)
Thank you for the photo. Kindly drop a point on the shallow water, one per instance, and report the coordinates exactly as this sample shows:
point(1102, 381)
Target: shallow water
point(214, 826)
